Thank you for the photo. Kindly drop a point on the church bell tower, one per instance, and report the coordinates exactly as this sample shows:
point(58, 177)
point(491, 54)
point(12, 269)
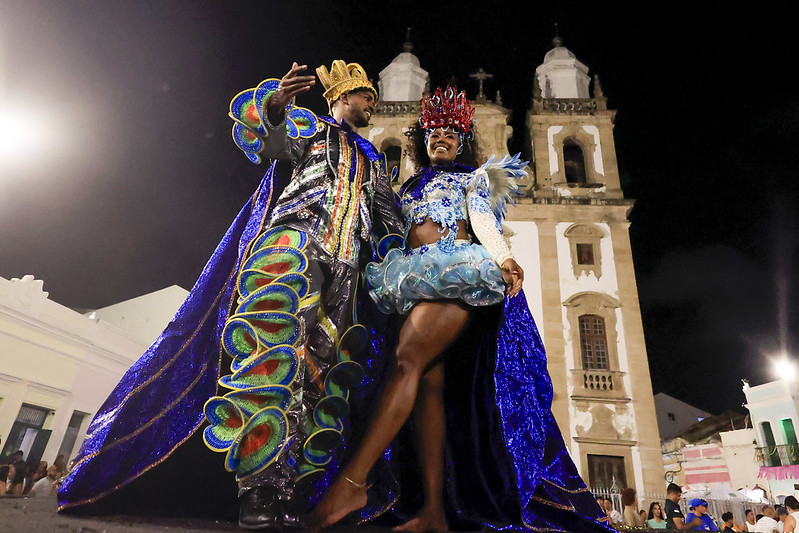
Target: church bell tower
point(570, 233)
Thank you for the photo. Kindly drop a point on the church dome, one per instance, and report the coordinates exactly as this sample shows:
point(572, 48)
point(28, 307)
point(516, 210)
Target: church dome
point(406, 58)
point(403, 80)
point(561, 75)
point(559, 53)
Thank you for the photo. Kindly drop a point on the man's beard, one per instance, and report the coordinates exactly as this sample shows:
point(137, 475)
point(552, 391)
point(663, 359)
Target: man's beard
point(360, 120)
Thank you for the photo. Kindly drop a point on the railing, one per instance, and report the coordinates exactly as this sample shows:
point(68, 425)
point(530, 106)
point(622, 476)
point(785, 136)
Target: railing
point(572, 185)
point(600, 380)
point(398, 108)
point(604, 383)
point(778, 455)
point(538, 198)
point(573, 106)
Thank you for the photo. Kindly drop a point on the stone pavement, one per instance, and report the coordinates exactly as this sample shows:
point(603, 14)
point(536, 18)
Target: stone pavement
point(38, 514)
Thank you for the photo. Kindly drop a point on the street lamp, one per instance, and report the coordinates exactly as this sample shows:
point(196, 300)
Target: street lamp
point(18, 135)
point(785, 368)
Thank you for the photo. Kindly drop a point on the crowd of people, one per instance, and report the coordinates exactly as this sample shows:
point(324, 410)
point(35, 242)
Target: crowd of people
point(20, 478)
point(669, 515)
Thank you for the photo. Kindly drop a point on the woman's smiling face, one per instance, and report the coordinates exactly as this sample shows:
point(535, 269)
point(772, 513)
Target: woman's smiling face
point(442, 145)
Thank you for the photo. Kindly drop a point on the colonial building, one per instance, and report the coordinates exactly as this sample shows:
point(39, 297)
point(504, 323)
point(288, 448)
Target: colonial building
point(570, 233)
point(774, 410)
point(57, 366)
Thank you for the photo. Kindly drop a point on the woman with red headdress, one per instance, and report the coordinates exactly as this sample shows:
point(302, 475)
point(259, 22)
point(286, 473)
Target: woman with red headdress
point(493, 435)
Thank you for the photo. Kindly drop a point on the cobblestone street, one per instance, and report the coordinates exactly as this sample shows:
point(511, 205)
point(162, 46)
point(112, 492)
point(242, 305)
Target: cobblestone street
point(22, 515)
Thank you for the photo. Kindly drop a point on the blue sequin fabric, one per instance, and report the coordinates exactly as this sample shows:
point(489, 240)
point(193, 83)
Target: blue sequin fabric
point(463, 271)
point(158, 404)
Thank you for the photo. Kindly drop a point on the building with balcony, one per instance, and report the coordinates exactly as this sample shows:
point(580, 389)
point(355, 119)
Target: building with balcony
point(774, 409)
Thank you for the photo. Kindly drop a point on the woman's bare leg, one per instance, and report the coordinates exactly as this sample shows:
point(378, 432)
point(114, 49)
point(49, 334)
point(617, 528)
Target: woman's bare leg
point(428, 330)
point(428, 417)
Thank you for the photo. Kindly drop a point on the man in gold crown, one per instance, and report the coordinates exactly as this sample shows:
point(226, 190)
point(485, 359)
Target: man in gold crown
point(338, 192)
point(277, 303)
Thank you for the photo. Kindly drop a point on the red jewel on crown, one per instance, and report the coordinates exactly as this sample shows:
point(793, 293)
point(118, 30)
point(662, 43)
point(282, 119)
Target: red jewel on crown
point(446, 109)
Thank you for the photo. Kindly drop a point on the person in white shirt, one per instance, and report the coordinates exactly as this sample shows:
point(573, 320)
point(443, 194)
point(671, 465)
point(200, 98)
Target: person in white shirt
point(767, 524)
point(749, 517)
point(782, 514)
point(44, 487)
point(792, 505)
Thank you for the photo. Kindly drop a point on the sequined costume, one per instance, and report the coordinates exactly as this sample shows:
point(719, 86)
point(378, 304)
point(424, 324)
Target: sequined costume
point(507, 466)
point(336, 189)
point(449, 268)
point(278, 297)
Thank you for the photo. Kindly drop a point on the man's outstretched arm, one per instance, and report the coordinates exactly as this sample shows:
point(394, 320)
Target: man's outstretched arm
point(276, 144)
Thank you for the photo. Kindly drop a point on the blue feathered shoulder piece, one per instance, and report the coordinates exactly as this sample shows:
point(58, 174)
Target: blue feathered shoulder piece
point(502, 176)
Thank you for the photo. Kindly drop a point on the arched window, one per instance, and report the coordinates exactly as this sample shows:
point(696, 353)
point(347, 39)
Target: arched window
point(593, 342)
point(573, 162)
point(393, 151)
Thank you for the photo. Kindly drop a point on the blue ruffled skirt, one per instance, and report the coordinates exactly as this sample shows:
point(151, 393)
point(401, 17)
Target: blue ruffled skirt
point(465, 273)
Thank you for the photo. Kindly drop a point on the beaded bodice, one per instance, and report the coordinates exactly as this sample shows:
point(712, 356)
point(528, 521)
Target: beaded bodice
point(445, 197)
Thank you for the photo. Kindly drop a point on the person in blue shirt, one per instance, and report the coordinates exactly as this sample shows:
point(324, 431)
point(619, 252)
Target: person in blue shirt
point(699, 507)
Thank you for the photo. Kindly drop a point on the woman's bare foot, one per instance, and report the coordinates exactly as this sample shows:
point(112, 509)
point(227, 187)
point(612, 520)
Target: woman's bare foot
point(342, 498)
point(426, 520)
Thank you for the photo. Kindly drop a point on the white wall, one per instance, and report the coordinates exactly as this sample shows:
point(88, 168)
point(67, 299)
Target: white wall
point(146, 316)
point(771, 402)
point(58, 359)
point(738, 447)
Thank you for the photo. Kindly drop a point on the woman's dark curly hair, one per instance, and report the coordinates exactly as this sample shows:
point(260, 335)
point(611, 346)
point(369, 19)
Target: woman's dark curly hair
point(417, 149)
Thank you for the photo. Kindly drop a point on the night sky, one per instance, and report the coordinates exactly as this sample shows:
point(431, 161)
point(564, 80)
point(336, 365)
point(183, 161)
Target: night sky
point(130, 177)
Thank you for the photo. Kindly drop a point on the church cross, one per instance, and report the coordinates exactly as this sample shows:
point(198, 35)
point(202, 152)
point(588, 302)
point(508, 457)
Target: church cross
point(481, 75)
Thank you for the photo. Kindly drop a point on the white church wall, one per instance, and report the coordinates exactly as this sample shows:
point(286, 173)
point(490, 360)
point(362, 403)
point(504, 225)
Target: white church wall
point(553, 152)
point(525, 248)
point(599, 165)
point(569, 283)
point(623, 419)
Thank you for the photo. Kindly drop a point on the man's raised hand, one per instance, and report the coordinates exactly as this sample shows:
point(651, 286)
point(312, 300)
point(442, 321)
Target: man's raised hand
point(290, 86)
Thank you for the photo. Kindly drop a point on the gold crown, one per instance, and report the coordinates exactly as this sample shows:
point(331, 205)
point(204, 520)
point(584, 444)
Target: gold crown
point(343, 78)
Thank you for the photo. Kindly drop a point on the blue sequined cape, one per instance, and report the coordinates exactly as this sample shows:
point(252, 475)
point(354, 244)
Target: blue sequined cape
point(507, 466)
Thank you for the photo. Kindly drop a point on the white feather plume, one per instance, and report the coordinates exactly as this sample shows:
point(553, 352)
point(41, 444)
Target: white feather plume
point(503, 176)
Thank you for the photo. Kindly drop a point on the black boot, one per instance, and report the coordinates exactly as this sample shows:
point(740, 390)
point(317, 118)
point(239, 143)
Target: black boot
point(259, 509)
point(290, 512)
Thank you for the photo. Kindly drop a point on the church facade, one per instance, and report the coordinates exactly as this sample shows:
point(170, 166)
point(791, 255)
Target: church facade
point(570, 234)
